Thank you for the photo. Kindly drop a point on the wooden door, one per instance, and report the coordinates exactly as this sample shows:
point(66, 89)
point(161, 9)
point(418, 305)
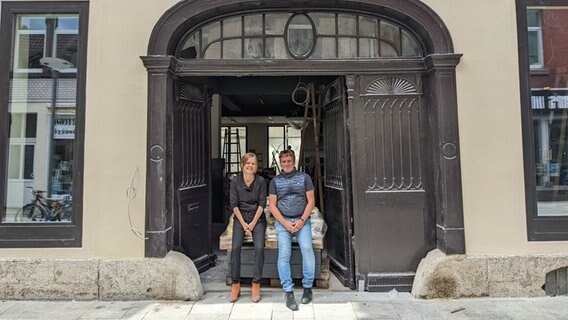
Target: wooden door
point(337, 185)
point(391, 224)
point(192, 174)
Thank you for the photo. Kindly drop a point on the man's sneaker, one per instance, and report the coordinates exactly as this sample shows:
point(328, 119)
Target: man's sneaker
point(307, 296)
point(291, 302)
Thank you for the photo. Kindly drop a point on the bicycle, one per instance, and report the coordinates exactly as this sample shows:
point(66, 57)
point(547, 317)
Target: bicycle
point(44, 209)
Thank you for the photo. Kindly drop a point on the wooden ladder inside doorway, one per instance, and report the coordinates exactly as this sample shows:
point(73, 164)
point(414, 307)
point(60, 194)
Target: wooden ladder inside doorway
point(315, 107)
point(232, 150)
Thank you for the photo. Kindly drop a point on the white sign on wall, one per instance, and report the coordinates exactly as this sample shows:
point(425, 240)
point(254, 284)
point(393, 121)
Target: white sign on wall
point(64, 128)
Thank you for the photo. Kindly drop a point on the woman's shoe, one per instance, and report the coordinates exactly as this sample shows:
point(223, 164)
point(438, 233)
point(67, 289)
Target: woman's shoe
point(255, 297)
point(235, 292)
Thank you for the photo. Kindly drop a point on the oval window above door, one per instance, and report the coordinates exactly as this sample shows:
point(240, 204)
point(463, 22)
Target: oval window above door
point(300, 36)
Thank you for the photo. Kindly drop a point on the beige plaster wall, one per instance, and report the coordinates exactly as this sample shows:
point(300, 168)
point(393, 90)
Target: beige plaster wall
point(489, 119)
point(490, 127)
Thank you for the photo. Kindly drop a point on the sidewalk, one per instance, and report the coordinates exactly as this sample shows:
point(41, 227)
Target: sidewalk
point(327, 305)
point(335, 303)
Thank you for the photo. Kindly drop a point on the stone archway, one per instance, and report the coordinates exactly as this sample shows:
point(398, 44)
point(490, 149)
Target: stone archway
point(445, 199)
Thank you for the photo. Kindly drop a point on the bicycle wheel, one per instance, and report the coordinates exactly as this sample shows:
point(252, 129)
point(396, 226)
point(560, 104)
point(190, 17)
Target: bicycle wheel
point(64, 213)
point(30, 212)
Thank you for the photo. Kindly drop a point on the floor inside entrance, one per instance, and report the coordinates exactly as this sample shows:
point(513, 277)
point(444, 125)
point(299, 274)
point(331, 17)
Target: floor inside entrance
point(214, 278)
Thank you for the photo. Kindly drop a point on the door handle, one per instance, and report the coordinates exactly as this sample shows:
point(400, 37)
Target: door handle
point(192, 206)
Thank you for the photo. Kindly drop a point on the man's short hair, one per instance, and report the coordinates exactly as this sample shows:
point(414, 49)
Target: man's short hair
point(287, 153)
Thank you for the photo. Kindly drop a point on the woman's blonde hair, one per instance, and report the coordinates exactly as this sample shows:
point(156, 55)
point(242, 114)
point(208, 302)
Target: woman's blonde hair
point(245, 159)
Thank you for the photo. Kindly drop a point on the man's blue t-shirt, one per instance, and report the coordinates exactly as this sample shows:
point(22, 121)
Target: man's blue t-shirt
point(291, 188)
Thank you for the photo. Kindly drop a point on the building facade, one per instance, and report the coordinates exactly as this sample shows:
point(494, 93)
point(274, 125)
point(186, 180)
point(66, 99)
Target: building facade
point(441, 138)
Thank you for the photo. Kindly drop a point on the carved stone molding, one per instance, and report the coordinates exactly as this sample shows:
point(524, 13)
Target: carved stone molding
point(436, 61)
point(190, 93)
point(158, 64)
point(449, 150)
point(391, 86)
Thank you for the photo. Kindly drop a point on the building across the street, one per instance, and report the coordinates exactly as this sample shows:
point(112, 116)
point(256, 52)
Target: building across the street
point(435, 132)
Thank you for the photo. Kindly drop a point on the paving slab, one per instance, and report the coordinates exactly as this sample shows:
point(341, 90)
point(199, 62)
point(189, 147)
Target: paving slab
point(5, 305)
point(109, 310)
point(213, 303)
point(338, 310)
point(169, 310)
point(248, 310)
point(283, 315)
point(377, 310)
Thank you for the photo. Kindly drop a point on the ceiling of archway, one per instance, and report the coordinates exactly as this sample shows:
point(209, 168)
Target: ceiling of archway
point(259, 96)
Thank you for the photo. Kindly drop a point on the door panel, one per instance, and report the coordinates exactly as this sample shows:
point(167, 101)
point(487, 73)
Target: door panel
point(391, 221)
point(396, 247)
point(337, 183)
point(192, 181)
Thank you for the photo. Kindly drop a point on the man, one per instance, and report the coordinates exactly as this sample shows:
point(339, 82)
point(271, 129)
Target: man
point(291, 200)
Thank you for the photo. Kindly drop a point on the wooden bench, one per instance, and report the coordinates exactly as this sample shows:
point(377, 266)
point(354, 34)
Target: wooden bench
point(270, 269)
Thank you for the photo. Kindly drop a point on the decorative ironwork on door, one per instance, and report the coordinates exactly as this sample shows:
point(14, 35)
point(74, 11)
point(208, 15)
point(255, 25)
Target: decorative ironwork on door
point(392, 117)
point(334, 136)
point(192, 124)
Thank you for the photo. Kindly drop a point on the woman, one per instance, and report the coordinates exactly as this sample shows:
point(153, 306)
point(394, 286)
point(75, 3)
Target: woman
point(247, 200)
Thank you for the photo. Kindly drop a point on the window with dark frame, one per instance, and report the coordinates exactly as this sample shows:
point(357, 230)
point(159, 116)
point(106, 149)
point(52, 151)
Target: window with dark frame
point(282, 137)
point(42, 98)
point(544, 97)
point(289, 35)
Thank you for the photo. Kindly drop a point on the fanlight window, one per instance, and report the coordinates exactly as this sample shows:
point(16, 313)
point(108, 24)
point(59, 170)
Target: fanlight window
point(315, 35)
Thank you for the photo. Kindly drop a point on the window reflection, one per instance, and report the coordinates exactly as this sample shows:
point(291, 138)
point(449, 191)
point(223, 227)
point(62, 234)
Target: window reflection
point(549, 103)
point(42, 108)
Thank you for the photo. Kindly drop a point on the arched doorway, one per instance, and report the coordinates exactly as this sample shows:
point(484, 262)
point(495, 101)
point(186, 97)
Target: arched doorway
point(422, 215)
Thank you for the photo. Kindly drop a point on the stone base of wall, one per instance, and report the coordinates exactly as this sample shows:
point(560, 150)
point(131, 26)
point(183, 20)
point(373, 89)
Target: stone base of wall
point(454, 276)
point(171, 278)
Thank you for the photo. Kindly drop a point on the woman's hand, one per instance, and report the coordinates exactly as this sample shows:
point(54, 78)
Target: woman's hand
point(245, 227)
point(252, 225)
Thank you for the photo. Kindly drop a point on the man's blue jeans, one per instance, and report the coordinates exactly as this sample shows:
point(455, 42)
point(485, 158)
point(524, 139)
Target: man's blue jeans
point(304, 238)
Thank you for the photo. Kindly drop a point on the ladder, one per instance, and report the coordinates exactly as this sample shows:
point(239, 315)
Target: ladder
point(232, 150)
point(274, 165)
point(315, 107)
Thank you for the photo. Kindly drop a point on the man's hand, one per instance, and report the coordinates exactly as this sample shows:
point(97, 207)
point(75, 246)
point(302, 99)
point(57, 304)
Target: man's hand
point(297, 225)
point(289, 226)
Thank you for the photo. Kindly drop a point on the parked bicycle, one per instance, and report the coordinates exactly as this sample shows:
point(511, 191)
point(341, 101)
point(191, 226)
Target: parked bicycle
point(44, 209)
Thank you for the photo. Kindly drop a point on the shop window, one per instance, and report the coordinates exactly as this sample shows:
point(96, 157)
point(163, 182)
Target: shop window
point(312, 35)
point(43, 45)
point(542, 39)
